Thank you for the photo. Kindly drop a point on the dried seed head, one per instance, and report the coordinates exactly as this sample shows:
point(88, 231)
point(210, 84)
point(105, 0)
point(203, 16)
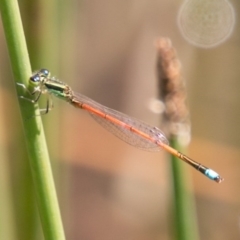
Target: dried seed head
point(171, 88)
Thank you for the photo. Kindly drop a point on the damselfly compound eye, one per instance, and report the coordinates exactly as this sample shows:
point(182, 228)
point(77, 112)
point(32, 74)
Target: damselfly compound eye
point(45, 72)
point(35, 78)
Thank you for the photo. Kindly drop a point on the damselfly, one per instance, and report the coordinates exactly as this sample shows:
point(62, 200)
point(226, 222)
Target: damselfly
point(128, 129)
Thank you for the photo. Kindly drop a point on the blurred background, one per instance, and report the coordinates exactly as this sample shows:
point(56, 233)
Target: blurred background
point(105, 50)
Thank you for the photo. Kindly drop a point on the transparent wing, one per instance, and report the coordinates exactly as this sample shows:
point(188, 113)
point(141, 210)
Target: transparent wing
point(122, 132)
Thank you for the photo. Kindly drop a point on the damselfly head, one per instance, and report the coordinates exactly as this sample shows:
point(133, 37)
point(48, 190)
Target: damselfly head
point(39, 76)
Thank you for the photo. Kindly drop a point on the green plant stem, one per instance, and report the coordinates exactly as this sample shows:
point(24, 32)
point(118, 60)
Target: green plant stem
point(33, 129)
point(184, 207)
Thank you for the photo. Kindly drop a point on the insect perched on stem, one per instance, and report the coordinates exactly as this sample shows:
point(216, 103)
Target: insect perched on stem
point(128, 129)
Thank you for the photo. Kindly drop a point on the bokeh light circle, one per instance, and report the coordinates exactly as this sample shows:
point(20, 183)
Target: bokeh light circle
point(206, 23)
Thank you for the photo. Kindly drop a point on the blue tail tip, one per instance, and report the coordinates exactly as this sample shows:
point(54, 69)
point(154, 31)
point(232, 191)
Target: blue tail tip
point(213, 175)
